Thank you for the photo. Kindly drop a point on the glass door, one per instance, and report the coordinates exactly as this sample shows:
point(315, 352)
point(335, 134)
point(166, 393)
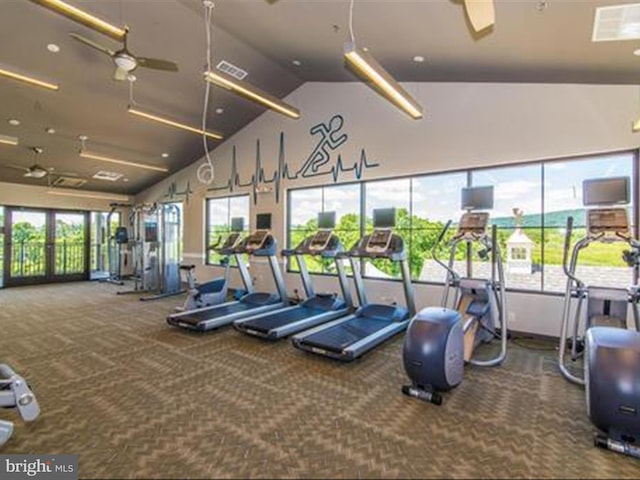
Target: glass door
point(69, 244)
point(42, 246)
point(26, 247)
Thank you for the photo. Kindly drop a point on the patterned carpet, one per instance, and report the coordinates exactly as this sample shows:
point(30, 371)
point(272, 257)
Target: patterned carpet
point(136, 398)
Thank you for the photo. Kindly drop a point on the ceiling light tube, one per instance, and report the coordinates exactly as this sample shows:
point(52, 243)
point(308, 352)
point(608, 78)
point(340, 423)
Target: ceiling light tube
point(252, 93)
point(29, 80)
point(173, 123)
point(84, 18)
point(102, 158)
point(100, 196)
point(367, 67)
point(7, 140)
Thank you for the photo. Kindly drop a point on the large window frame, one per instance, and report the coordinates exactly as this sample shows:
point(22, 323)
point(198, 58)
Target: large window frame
point(544, 229)
point(208, 254)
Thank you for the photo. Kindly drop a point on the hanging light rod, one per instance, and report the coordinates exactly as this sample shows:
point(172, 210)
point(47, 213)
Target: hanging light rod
point(7, 140)
point(100, 196)
point(367, 67)
point(102, 158)
point(250, 92)
point(26, 79)
point(173, 123)
point(80, 16)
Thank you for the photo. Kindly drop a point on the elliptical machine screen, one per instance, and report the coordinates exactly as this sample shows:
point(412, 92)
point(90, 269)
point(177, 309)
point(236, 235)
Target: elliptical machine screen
point(231, 241)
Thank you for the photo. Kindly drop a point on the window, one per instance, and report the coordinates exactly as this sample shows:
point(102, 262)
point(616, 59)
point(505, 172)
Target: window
point(220, 211)
point(598, 264)
point(304, 206)
point(531, 205)
point(517, 214)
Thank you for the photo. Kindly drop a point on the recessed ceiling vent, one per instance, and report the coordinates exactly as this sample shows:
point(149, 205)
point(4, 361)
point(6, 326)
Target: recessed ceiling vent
point(619, 22)
point(231, 69)
point(108, 176)
point(70, 182)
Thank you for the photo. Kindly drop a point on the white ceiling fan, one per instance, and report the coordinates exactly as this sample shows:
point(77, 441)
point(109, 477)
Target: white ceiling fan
point(38, 171)
point(126, 61)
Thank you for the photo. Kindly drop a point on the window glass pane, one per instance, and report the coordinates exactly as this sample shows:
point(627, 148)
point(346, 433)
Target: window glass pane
point(435, 200)
point(388, 194)
point(599, 264)
point(563, 185)
point(220, 211)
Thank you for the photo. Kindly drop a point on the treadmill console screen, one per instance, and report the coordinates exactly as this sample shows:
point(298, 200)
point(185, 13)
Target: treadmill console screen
point(256, 240)
point(379, 241)
point(610, 221)
point(320, 241)
point(473, 223)
point(231, 241)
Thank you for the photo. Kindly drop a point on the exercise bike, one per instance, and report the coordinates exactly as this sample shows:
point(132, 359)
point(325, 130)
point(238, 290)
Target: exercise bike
point(15, 393)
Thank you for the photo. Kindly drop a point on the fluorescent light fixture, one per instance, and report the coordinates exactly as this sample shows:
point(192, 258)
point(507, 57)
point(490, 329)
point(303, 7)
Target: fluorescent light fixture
point(252, 93)
point(100, 196)
point(7, 140)
point(29, 80)
point(635, 126)
point(122, 162)
point(84, 18)
point(173, 123)
point(371, 70)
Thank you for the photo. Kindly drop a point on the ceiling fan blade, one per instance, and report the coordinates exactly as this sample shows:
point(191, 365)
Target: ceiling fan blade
point(481, 13)
point(92, 44)
point(157, 64)
point(120, 74)
point(16, 167)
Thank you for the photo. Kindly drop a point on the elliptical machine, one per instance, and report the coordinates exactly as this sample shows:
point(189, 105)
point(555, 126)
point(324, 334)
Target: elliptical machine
point(15, 393)
point(440, 340)
point(611, 356)
point(214, 291)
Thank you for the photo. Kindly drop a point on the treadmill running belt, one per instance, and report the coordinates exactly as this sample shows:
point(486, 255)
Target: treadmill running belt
point(279, 319)
point(344, 334)
point(197, 317)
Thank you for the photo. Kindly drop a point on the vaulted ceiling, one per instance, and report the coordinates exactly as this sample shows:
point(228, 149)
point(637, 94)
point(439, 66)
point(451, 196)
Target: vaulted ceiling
point(532, 41)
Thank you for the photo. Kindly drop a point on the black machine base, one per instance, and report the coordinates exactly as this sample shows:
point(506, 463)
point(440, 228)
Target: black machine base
point(625, 448)
point(421, 394)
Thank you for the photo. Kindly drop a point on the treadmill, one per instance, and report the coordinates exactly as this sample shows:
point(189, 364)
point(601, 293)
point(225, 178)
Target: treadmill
point(350, 337)
point(318, 307)
point(260, 243)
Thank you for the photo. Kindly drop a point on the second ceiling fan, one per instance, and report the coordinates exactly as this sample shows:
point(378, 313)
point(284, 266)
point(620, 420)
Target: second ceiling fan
point(124, 60)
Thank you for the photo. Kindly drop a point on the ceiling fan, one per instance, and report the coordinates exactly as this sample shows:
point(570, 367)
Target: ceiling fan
point(126, 61)
point(37, 171)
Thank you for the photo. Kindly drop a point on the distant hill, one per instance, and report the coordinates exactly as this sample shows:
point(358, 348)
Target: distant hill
point(552, 219)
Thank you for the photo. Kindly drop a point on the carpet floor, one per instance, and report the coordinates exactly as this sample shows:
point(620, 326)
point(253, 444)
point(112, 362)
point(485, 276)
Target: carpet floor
point(135, 398)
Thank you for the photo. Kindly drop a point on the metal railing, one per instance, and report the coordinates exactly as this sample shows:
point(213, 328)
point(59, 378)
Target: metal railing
point(29, 259)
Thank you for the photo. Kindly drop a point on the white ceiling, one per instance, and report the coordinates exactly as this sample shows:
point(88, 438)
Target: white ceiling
point(527, 44)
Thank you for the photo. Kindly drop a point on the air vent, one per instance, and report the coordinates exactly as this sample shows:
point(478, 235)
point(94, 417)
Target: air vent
point(620, 22)
point(108, 176)
point(68, 182)
point(231, 69)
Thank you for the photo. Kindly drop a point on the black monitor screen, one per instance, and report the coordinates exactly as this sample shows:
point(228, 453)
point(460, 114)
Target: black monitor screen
point(477, 198)
point(327, 220)
point(384, 218)
point(237, 224)
point(606, 191)
point(263, 221)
